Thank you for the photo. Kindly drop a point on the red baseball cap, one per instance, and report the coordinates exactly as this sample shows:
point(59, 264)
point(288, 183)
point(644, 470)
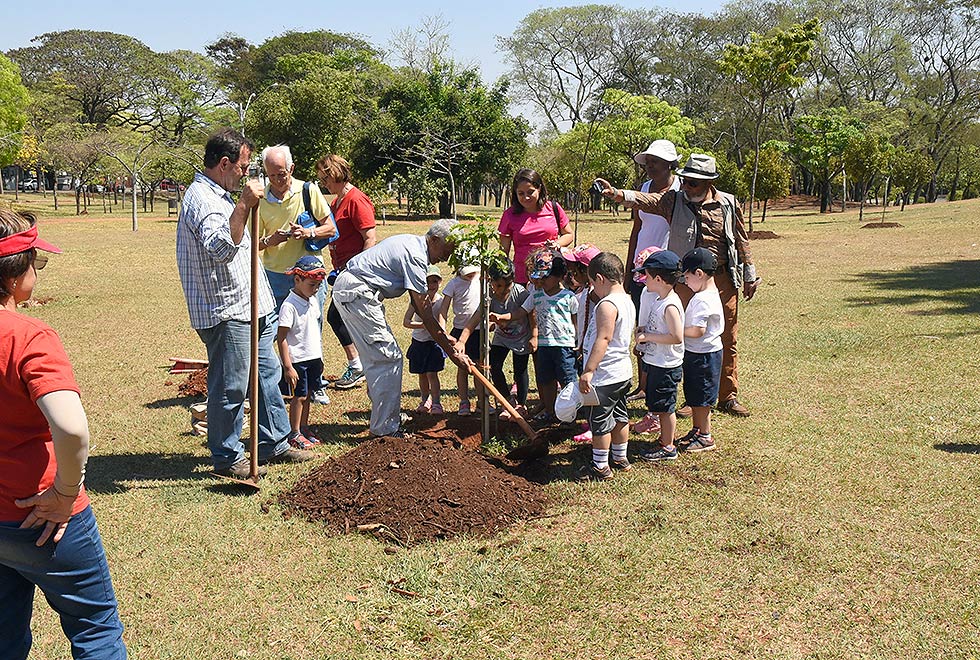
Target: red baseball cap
point(23, 241)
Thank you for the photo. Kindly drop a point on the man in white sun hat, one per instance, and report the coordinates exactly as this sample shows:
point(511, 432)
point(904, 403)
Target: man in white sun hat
point(700, 215)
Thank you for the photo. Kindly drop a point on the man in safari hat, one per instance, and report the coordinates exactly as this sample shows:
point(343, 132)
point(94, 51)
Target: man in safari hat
point(700, 215)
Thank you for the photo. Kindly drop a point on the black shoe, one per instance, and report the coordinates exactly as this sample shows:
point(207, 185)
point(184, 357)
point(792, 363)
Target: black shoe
point(240, 469)
point(661, 454)
point(623, 465)
point(293, 455)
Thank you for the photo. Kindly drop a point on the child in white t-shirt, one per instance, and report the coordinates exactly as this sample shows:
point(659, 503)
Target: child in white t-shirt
point(704, 321)
point(660, 335)
point(425, 358)
point(300, 347)
point(462, 294)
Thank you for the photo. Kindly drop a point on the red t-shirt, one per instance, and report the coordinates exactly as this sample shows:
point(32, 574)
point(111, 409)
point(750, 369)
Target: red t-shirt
point(32, 363)
point(353, 214)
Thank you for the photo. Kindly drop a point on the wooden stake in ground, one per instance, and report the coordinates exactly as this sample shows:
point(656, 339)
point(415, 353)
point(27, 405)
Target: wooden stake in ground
point(253, 375)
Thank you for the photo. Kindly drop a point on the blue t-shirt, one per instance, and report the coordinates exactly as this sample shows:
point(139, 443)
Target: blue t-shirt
point(393, 266)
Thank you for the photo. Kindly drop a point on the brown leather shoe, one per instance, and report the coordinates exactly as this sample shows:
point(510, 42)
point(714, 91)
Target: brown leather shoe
point(242, 469)
point(733, 407)
point(684, 411)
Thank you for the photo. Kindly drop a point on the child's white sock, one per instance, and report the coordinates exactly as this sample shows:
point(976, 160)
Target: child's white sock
point(619, 452)
point(704, 436)
point(355, 363)
point(600, 457)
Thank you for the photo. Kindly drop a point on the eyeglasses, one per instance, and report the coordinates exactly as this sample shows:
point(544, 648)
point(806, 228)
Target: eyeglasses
point(40, 261)
point(277, 175)
point(692, 183)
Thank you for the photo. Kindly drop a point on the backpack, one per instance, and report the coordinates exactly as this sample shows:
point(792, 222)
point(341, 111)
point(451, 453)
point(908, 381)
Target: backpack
point(307, 220)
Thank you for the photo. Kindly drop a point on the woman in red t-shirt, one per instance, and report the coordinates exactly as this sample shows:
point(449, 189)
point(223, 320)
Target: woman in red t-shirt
point(48, 536)
point(354, 214)
point(531, 221)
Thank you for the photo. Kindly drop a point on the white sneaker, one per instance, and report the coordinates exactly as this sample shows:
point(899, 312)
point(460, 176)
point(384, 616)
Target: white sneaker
point(320, 396)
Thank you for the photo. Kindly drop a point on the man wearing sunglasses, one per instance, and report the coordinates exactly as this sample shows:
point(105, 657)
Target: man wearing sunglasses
point(700, 215)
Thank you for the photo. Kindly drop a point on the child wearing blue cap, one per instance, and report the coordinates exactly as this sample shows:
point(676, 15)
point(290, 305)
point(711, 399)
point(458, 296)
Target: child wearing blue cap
point(660, 336)
point(300, 347)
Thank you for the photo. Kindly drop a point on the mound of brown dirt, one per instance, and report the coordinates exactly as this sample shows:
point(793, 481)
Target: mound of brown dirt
point(881, 225)
point(762, 235)
point(411, 490)
point(196, 384)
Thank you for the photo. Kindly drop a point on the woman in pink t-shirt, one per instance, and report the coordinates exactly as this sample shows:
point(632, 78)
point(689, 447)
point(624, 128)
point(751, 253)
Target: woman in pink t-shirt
point(532, 221)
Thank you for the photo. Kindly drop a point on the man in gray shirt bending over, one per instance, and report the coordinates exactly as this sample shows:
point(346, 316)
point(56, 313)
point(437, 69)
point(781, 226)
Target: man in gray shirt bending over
point(387, 270)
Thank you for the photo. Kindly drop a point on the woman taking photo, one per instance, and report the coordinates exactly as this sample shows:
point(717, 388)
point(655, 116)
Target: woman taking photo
point(48, 536)
point(532, 221)
point(354, 214)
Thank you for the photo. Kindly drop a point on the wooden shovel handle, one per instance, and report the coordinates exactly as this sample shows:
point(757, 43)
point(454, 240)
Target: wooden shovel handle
point(253, 395)
point(515, 416)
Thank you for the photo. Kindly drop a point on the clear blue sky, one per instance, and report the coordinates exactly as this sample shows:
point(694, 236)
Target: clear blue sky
point(182, 24)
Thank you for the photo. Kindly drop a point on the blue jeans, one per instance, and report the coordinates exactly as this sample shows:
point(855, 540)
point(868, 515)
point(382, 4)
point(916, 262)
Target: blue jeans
point(73, 576)
point(229, 355)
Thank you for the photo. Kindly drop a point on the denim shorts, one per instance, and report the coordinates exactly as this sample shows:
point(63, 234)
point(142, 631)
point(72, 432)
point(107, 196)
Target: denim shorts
point(702, 375)
point(661, 395)
point(309, 378)
point(553, 363)
point(425, 357)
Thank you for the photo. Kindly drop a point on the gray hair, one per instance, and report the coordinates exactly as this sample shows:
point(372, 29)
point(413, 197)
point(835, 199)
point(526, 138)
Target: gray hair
point(281, 149)
point(441, 229)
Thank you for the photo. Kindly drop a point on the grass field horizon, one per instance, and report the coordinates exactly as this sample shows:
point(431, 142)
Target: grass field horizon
point(836, 522)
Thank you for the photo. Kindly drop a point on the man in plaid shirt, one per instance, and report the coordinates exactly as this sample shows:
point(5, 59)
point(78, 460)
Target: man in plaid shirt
point(214, 260)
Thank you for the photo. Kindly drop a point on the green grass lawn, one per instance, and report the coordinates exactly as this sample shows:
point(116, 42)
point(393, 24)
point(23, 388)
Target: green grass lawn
point(839, 521)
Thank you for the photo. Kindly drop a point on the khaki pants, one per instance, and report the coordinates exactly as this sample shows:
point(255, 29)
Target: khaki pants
point(364, 315)
point(728, 388)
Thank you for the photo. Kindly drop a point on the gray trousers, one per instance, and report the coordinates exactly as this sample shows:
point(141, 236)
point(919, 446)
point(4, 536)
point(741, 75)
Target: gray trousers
point(364, 315)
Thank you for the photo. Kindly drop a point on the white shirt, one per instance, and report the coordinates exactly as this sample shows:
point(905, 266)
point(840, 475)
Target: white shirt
point(654, 229)
point(615, 365)
point(302, 317)
point(421, 334)
point(465, 294)
point(705, 311)
point(653, 320)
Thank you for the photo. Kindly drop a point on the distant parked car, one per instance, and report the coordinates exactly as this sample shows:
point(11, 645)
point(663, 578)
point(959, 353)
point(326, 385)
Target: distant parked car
point(170, 184)
point(29, 185)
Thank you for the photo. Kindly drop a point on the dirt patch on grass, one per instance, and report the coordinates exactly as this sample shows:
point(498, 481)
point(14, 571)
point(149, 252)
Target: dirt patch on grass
point(36, 302)
point(196, 384)
point(763, 235)
point(881, 225)
point(415, 489)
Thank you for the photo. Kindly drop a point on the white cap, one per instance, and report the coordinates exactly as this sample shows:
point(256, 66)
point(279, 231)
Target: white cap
point(662, 149)
point(570, 399)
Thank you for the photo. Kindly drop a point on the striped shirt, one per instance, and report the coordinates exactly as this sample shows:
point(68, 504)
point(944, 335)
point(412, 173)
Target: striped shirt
point(214, 271)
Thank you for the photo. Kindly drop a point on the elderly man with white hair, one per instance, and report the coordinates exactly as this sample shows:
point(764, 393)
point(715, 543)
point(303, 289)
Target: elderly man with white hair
point(283, 240)
point(387, 270)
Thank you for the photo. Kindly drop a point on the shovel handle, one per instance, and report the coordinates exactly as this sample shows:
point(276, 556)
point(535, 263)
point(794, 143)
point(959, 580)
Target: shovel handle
point(516, 416)
point(253, 395)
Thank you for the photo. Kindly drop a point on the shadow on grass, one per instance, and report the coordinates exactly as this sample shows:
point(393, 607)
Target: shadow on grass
point(950, 288)
point(114, 473)
point(958, 447)
point(174, 401)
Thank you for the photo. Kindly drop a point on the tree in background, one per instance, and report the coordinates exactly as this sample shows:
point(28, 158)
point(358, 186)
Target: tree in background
point(764, 68)
point(819, 143)
point(14, 101)
point(867, 155)
point(772, 173)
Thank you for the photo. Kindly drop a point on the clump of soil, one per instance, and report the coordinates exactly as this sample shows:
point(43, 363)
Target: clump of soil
point(414, 489)
point(36, 302)
point(196, 384)
point(762, 235)
point(881, 225)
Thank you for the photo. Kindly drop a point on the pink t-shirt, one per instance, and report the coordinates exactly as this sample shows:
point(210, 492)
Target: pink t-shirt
point(530, 231)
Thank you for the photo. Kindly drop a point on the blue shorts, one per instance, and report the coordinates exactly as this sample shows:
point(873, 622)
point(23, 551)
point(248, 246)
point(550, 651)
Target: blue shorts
point(553, 363)
point(425, 357)
point(702, 375)
point(309, 378)
point(472, 348)
point(661, 395)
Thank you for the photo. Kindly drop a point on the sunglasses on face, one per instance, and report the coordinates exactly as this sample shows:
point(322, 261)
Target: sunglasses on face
point(692, 183)
point(40, 261)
